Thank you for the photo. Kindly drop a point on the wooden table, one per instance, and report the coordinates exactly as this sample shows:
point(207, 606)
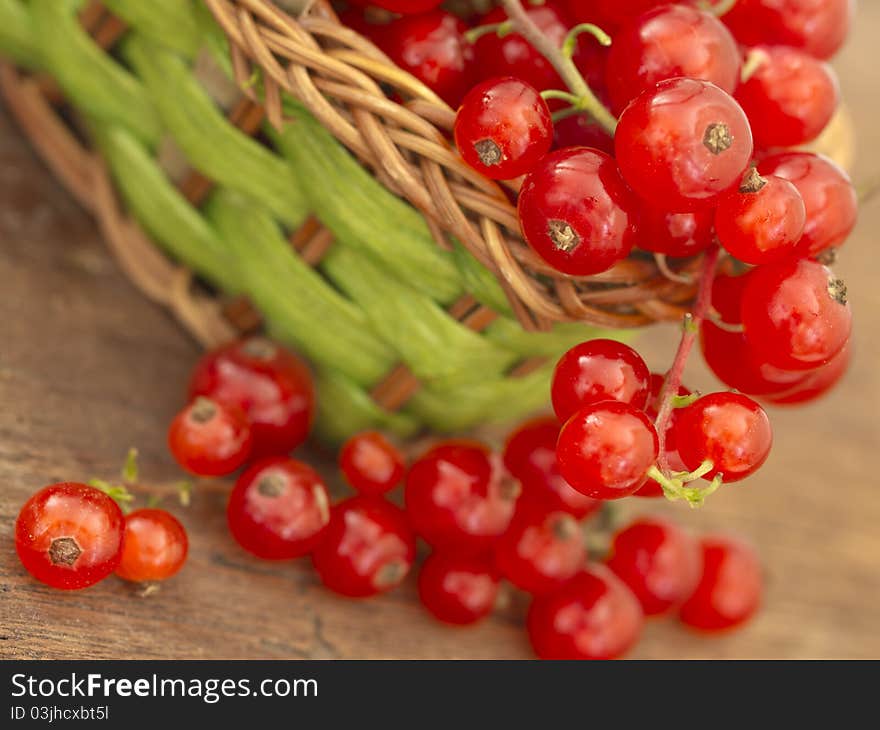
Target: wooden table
point(88, 369)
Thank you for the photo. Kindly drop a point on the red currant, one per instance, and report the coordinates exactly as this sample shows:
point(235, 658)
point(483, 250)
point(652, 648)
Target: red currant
point(371, 464)
point(154, 547)
point(581, 130)
point(530, 456)
point(460, 498)
point(458, 590)
point(368, 548)
point(269, 384)
point(608, 14)
point(432, 47)
point(606, 449)
point(729, 591)
point(683, 144)
point(658, 561)
point(828, 193)
point(541, 550)
point(593, 616)
point(278, 509)
point(795, 314)
point(762, 221)
point(576, 213)
point(817, 26)
point(668, 42)
point(69, 535)
point(209, 439)
point(513, 55)
point(790, 98)
point(728, 429)
point(503, 128)
point(675, 234)
point(599, 370)
point(815, 384)
point(404, 7)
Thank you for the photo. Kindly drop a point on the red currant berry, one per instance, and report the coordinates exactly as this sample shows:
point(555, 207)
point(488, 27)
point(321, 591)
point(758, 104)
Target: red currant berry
point(404, 7)
point(815, 384)
point(790, 98)
point(658, 561)
point(606, 449)
point(678, 235)
point(459, 497)
point(728, 429)
point(608, 14)
point(669, 42)
point(530, 456)
point(69, 535)
point(683, 144)
point(596, 371)
point(154, 547)
point(268, 383)
point(278, 509)
point(795, 314)
point(210, 440)
point(576, 213)
point(503, 128)
point(513, 55)
point(458, 590)
point(432, 47)
point(762, 221)
point(729, 591)
point(593, 616)
point(371, 464)
point(819, 27)
point(828, 193)
point(541, 550)
point(368, 548)
point(580, 130)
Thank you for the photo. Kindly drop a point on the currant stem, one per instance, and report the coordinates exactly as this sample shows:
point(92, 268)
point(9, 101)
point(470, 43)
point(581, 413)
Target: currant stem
point(564, 66)
point(568, 48)
point(692, 327)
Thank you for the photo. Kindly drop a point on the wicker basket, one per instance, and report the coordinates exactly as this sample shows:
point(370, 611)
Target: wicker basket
point(201, 134)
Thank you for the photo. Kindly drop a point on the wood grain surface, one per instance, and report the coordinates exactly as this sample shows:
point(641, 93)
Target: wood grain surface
point(88, 369)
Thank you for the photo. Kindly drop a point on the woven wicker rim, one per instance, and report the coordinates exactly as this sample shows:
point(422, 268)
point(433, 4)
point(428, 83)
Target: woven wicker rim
point(343, 79)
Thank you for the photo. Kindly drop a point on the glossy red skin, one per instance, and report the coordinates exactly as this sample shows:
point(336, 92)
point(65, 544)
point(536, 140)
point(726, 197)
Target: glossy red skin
point(458, 590)
point(606, 449)
point(790, 98)
point(371, 464)
point(541, 550)
point(815, 384)
point(580, 188)
point(763, 226)
point(368, 548)
point(530, 456)
point(278, 509)
point(660, 144)
point(214, 447)
point(596, 371)
point(679, 235)
point(404, 7)
point(730, 588)
point(432, 47)
point(154, 546)
point(511, 114)
point(652, 489)
point(829, 196)
point(729, 429)
point(669, 42)
point(273, 388)
point(593, 616)
point(459, 497)
point(76, 511)
point(791, 319)
point(608, 14)
point(514, 56)
point(659, 562)
point(580, 130)
point(818, 27)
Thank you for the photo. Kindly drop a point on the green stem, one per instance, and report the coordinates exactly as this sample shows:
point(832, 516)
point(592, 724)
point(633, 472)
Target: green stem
point(570, 45)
